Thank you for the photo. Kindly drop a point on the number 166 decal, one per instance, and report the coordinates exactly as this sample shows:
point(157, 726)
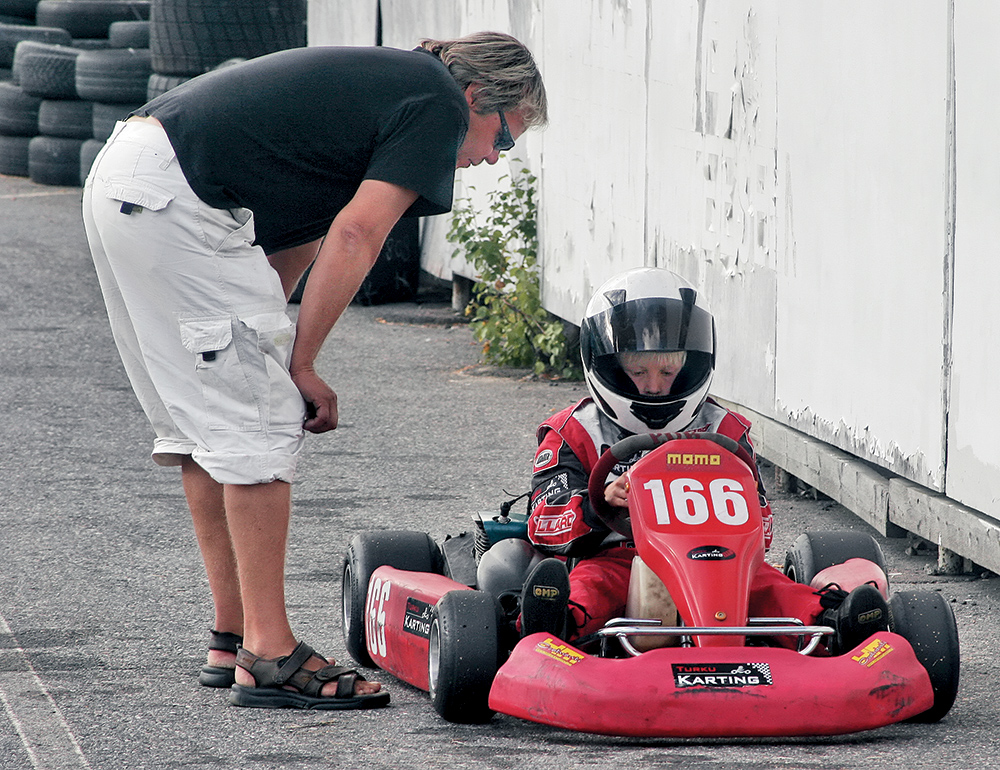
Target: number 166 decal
point(692, 504)
point(375, 617)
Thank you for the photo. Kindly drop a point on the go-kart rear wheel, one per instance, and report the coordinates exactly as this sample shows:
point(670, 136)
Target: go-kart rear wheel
point(813, 552)
point(367, 552)
point(463, 657)
point(926, 621)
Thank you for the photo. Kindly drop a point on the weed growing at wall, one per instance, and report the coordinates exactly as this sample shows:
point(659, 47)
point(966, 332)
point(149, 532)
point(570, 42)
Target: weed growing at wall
point(501, 244)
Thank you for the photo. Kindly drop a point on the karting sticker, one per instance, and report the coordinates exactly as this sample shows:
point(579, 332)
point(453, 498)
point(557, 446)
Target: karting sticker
point(417, 620)
point(711, 553)
point(873, 652)
point(558, 651)
point(722, 675)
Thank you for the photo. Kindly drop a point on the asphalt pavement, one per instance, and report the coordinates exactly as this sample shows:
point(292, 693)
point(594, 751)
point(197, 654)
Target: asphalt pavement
point(104, 608)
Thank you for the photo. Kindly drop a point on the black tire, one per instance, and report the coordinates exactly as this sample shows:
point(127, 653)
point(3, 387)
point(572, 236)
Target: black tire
point(89, 18)
point(116, 75)
point(463, 656)
point(128, 34)
point(70, 118)
point(367, 552)
point(160, 84)
point(46, 70)
point(926, 621)
point(53, 160)
point(14, 155)
point(395, 276)
point(90, 43)
point(22, 9)
point(189, 37)
point(12, 34)
point(107, 115)
point(18, 111)
point(88, 153)
point(815, 551)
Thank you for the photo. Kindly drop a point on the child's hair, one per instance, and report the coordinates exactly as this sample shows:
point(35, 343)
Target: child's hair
point(675, 358)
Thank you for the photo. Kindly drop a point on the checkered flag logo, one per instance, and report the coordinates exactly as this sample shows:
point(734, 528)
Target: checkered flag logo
point(764, 670)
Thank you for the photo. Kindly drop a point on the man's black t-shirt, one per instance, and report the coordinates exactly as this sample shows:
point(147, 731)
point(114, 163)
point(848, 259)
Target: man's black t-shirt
point(292, 135)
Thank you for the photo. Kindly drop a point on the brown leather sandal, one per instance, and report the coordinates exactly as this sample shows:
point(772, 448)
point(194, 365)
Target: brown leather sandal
point(220, 676)
point(274, 677)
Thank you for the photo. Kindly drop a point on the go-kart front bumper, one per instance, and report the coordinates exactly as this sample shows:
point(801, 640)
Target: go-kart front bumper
point(713, 691)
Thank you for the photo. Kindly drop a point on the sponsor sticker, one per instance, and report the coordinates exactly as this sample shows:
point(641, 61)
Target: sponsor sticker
point(559, 651)
point(677, 458)
point(544, 459)
point(722, 675)
point(711, 553)
point(554, 524)
point(417, 618)
point(873, 652)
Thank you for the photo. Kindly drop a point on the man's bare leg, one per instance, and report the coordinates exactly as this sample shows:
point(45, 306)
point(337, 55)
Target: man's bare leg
point(208, 512)
point(258, 517)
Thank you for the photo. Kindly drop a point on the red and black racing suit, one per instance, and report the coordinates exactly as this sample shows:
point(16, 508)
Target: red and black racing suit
point(562, 522)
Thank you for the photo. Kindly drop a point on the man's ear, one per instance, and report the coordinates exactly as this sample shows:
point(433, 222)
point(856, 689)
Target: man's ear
point(471, 93)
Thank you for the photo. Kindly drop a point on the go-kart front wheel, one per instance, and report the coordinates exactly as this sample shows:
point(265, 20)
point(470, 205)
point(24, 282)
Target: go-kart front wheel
point(463, 656)
point(926, 621)
point(367, 552)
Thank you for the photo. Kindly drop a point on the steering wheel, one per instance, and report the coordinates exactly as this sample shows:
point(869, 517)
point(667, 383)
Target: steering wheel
point(617, 519)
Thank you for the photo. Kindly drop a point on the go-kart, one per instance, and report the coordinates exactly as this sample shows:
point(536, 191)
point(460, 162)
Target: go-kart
point(687, 661)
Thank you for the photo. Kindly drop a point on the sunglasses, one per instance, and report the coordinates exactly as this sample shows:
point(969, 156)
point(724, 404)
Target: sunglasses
point(504, 140)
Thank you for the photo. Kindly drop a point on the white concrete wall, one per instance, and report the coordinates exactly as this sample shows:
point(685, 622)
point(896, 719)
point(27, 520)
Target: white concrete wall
point(826, 172)
point(973, 417)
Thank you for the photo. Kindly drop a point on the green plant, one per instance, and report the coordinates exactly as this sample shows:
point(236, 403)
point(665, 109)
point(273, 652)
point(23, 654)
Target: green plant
point(501, 244)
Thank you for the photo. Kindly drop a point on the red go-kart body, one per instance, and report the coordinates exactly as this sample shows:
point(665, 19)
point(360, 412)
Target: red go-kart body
point(696, 522)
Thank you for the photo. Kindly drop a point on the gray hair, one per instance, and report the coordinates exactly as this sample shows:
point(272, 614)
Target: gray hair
point(503, 68)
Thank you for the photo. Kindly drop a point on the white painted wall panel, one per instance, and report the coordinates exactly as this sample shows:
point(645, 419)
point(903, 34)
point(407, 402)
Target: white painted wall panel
point(594, 151)
point(331, 22)
point(862, 155)
point(973, 417)
point(710, 211)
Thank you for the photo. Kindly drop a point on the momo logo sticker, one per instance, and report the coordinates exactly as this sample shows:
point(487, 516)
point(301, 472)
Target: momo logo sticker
point(722, 675)
point(676, 458)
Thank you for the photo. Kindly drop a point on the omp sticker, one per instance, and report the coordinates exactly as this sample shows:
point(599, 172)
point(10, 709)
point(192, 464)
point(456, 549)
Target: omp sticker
point(722, 675)
point(873, 652)
point(561, 652)
point(417, 618)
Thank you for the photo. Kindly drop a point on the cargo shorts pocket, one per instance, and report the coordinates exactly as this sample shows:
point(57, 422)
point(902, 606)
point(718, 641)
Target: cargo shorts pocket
point(136, 195)
point(227, 381)
point(275, 335)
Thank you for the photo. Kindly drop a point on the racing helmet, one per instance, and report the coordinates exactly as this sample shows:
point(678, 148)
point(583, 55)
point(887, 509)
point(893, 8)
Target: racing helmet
point(647, 310)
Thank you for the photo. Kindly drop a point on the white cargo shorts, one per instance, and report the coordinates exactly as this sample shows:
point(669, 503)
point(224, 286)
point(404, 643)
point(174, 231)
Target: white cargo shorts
point(197, 313)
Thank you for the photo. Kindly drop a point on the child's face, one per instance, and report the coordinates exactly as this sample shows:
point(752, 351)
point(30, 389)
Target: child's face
point(653, 374)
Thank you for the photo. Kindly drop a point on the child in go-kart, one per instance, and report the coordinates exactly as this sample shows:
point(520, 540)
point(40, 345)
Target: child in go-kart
point(648, 346)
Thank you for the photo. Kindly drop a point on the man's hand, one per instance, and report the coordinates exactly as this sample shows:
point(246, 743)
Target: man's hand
point(322, 398)
point(616, 493)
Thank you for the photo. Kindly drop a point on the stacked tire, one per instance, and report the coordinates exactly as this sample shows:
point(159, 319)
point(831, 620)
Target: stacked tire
point(191, 37)
point(51, 124)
